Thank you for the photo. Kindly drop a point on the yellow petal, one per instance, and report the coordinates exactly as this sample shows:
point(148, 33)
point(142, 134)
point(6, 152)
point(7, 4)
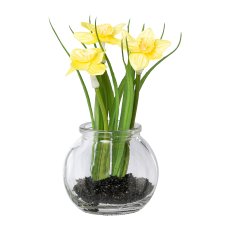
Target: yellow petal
point(88, 26)
point(132, 43)
point(77, 66)
point(96, 69)
point(146, 40)
point(105, 30)
point(83, 55)
point(138, 61)
point(159, 47)
point(98, 57)
point(133, 47)
point(118, 28)
point(80, 65)
point(125, 35)
point(97, 50)
point(85, 37)
point(71, 69)
point(147, 35)
point(110, 40)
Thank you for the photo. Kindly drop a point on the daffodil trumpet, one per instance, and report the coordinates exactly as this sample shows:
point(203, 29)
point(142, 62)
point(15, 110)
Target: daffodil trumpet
point(116, 105)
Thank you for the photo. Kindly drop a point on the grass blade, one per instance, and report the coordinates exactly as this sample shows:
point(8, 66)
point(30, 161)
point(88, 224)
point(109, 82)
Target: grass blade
point(122, 53)
point(71, 29)
point(162, 34)
point(162, 59)
point(80, 77)
point(143, 28)
point(128, 25)
point(73, 33)
point(58, 38)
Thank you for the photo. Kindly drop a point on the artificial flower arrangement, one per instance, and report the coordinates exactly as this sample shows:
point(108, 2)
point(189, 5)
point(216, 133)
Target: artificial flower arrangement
point(112, 137)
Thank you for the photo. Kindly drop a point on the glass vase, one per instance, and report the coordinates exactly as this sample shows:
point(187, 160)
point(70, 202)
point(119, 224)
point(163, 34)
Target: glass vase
point(110, 173)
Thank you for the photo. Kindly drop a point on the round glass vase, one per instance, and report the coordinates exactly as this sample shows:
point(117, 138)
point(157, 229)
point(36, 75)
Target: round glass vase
point(110, 173)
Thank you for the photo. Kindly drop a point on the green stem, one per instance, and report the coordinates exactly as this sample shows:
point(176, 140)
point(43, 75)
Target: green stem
point(100, 166)
point(125, 161)
point(98, 116)
point(136, 99)
point(128, 98)
point(116, 111)
point(103, 90)
point(87, 99)
point(116, 93)
point(107, 96)
point(103, 109)
point(121, 90)
point(108, 91)
point(122, 53)
point(127, 106)
point(125, 121)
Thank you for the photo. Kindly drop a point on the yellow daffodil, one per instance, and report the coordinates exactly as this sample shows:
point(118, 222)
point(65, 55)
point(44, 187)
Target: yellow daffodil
point(144, 48)
point(89, 60)
point(106, 33)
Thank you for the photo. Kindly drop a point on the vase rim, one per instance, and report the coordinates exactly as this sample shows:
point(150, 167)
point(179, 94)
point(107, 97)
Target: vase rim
point(87, 128)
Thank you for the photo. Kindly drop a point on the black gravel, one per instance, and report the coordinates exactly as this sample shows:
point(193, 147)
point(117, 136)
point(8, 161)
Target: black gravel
point(113, 190)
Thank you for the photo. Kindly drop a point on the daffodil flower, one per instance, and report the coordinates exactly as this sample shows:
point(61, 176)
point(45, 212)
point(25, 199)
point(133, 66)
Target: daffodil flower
point(144, 49)
point(89, 60)
point(106, 33)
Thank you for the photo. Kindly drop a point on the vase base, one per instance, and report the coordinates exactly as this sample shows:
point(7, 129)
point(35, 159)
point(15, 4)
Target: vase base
point(113, 195)
point(111, 209)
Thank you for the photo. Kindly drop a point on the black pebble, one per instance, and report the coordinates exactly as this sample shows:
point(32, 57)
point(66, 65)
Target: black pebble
point(113, 190)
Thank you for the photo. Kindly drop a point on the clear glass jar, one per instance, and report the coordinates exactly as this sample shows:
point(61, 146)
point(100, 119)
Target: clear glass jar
point(110, 173)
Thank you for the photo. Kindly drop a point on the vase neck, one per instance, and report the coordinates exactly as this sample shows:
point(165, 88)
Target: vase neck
point(87, 131)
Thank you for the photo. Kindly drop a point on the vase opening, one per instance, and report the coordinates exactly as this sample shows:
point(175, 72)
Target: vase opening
point(87, 130)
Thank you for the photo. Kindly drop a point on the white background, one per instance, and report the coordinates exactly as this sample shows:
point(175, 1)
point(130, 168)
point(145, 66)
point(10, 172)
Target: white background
point(184, 111)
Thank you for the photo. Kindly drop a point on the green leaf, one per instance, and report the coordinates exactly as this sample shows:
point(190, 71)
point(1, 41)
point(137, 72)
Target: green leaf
point(58, 38)
point(108, 92)
point(136, 99)
point(81, 42)
point(143, 28)
point(80, 77)
point(99, 125)
point(122, 53)
point(162, 59)
point(71, 29)
point(162, 34)
point(121, 91)
point(116, 111)
point(127, 105)
point(118, 164)
point(128, 25)
point(95, 46)
point(103, 109)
